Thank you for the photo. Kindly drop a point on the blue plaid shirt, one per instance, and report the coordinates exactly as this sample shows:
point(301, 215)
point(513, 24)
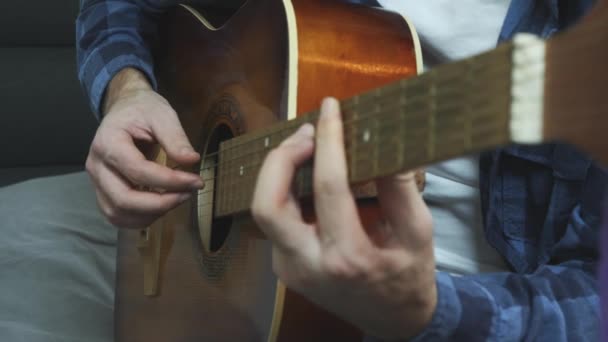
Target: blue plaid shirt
point(541, 204)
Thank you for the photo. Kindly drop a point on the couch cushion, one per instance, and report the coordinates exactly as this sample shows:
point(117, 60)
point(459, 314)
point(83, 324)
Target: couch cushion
point(15, 175)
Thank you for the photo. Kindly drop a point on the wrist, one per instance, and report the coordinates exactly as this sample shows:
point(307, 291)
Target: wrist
point(419, 314)
point(424, 302)
point(125, 82)
point(417, 311)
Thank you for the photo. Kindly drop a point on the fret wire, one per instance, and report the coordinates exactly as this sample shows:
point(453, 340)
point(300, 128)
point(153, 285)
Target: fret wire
point(276, 143)
point(220, 179)
point(410, 82)
point(491, 126)
point(222, 175)
point(294, 128)
point(227, 178)
point(355, 165)
point(383, 123)
point(382, 149)
point(467, 111)
point(352, 143)
point(357, 118)
point(409, 112)
point(376, 147)
point(304, 172)
point(441, 146)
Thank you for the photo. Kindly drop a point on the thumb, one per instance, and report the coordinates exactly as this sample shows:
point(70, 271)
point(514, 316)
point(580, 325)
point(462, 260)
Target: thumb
point(169, 133)
point(405, 210)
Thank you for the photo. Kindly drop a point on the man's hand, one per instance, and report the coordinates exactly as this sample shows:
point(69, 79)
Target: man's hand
point(135, 118)
point(383, 279)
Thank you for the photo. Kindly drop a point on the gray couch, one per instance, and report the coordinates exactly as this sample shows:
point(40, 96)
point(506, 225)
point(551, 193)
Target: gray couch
point(46, 125)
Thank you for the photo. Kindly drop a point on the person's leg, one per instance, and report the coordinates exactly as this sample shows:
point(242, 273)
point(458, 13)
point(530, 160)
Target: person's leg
point(57, 262)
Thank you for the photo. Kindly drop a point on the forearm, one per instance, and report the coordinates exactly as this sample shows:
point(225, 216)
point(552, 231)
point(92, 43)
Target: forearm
point(509, 306)
point(125, 82)
point(112, 35)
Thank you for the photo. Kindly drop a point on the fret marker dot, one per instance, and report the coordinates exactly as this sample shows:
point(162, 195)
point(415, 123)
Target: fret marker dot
point(366, 135)
point(241, 170)
point(266, 142)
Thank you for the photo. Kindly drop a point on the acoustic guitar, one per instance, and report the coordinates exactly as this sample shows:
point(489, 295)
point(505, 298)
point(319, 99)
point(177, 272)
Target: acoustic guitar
point(242, 84)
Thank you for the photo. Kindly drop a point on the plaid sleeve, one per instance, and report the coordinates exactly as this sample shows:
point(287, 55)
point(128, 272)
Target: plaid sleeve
point(112, 35)
point(555, 303)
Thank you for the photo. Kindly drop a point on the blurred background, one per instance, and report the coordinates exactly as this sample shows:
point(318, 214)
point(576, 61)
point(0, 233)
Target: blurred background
point(46, 125)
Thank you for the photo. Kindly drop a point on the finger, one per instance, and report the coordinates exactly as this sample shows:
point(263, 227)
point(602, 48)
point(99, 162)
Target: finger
point(132, 164)
point(404, 209)
point(337, 215)
point(274, 208)
point(122, 220)
point(169, 132)
point(125, 202)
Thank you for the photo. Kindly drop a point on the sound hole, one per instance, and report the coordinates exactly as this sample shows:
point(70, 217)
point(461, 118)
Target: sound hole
point(212, 231)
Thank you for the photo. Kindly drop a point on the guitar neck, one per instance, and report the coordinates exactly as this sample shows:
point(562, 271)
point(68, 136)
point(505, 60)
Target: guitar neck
point(452, 110)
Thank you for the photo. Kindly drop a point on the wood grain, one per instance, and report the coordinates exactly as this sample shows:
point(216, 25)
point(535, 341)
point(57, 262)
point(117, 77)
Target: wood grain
point(230, 294)
point(575, 86)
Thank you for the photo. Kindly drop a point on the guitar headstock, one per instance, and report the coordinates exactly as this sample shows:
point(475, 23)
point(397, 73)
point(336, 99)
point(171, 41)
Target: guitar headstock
point(576, 91)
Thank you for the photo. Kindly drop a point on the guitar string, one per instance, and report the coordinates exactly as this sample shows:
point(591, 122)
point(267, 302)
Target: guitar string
point(417, 113)
point(407, 81)
point(589, 29)
point(520, 80)
point(282, 128)
point(303, 177)
point(352, 135)
point(379, 129)
point(371, 99)
point(248, 178)
point(289, 128)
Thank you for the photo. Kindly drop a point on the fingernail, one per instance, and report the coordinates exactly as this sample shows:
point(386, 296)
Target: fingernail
point(329, 107)
point(187, 150)
point(306, 130)
point(199, 184)
point(302, 134)
point(183, 197)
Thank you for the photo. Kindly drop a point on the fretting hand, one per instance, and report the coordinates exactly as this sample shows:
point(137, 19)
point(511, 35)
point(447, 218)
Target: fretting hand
point(383, 281)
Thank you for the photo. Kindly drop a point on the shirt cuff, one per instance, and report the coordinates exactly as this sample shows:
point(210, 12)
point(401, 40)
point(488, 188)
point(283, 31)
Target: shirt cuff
point(105, 62)
point(447, 312)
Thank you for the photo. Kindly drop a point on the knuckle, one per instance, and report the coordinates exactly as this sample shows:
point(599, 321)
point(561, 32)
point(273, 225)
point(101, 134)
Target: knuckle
point(108, 156)
point(97, 145)
point(256, 211)
point(165, 108)
point(395, 266)
point(346, 268)
point(89, 165)
point(137, 107)
point(120, 203)
point(328, 186)
point(275, 155)
point(330, 132)
point(134, 173)
point(262, 213)
point(167, 204)
point(112, 215)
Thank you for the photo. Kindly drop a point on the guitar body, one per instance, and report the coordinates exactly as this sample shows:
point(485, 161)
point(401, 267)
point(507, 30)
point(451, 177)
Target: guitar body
point(271, 61)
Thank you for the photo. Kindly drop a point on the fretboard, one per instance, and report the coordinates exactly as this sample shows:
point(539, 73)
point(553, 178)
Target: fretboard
point(452, 110)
